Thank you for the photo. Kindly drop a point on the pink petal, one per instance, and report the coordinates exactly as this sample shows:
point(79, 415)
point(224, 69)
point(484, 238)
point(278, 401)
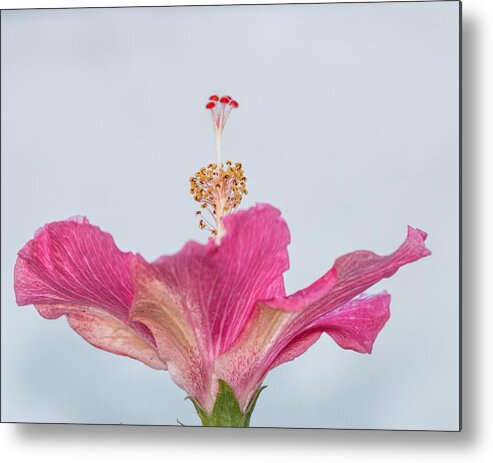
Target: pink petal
point(72, 268)
point(354, 325)
point(283, 328)
point(276, 337)
point(182, 339)
point(352, 274)
point(74, 261)
point(106, 332)
point(223, 282)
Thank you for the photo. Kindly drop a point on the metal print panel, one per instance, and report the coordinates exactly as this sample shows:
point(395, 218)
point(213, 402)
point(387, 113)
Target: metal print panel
point(199, 202)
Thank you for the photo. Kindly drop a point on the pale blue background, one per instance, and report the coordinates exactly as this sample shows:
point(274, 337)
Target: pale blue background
point(348, 122)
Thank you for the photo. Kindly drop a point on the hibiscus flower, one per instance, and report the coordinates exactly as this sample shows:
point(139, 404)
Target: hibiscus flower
point(215, 315)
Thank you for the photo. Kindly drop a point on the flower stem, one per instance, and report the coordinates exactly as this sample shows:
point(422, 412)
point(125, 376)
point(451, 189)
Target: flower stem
point(227, 411)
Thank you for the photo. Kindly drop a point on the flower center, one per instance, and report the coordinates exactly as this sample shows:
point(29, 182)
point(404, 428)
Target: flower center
point(218, 188)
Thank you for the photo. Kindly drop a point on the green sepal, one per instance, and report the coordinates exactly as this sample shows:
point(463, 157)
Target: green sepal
point(251, 405)
point(227, 411)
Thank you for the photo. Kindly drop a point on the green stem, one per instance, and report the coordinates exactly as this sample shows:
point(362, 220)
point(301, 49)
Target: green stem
point(227, 411)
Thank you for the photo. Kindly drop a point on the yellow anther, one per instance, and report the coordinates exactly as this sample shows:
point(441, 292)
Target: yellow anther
point(219, 190)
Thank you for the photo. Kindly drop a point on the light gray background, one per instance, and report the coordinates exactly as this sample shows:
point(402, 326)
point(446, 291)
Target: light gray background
point(348, 122)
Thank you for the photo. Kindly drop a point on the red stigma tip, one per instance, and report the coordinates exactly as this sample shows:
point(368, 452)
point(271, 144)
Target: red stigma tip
point(220, 108)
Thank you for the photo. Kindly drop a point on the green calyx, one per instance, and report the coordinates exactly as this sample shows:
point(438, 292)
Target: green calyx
point(227, 411)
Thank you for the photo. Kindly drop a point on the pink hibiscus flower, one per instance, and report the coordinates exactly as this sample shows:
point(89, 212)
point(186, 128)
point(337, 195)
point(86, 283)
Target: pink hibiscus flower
point(215, 315)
